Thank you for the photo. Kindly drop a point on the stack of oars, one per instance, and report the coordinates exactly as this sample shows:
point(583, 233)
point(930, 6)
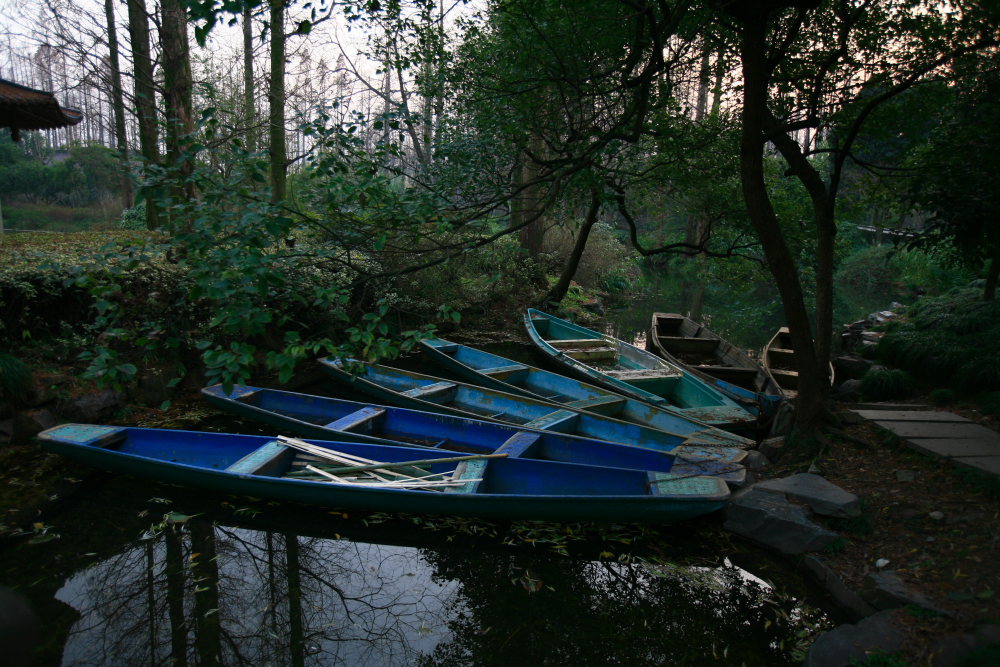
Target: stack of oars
point(322, 464)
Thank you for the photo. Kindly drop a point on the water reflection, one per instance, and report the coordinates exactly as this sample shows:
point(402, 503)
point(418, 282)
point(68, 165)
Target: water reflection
point(198, 591)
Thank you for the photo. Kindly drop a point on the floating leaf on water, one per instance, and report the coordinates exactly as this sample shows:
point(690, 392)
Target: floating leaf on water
point(41, 539)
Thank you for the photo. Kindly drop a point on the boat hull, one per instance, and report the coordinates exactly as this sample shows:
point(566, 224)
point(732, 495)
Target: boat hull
point(511, 488)
point(634, 372)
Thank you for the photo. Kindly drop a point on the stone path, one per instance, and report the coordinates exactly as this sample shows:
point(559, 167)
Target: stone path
point(941, 434)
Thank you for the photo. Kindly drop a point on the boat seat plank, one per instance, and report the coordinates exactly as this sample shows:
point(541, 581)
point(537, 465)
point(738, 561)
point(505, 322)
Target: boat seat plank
point(468, 470)
point(355, 420)
point(683, 344)
point(428, 390)
point(517, 445)
point(602, 404)
point(590, 353)
point(577, 343)
point(501, 372)
point(262, 460)
point(563, 421)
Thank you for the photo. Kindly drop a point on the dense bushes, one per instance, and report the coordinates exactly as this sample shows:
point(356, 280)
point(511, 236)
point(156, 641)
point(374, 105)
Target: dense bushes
point(953, 339)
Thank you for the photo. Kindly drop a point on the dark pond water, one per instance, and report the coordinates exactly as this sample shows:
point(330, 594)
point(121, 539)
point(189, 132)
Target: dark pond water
point(148, 574)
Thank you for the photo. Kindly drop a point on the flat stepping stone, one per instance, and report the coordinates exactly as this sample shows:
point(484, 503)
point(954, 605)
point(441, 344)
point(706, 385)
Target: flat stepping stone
point(939, 430)
point(987, 464)
point(957, 448)
point(911, 416)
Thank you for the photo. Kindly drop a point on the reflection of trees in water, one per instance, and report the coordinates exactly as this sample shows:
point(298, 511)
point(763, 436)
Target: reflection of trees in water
point(551, 610)
point(204, 594)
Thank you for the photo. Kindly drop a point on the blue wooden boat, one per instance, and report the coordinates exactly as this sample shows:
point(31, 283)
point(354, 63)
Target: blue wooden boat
point(634, 372)
point(417, 391)
point(397, 479)
point(495, 372)
point(335, 419)
point(684, 342)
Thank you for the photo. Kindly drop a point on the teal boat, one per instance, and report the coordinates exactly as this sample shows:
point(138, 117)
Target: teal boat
point(684, 342)
point(417, 391)
point(335, 419)
point(388, 478)
point(495, 372)
point(634, 372)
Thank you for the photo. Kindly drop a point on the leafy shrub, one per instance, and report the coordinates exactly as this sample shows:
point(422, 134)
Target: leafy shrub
point(989, 402)
point(953, 339)
point(15, 378)
point(942, 396)
point(134, 218)
point(605, 261)
point(880, 384)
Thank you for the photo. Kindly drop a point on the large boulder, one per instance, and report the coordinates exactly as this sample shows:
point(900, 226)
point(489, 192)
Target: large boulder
point(823, 497)
point(768, 519)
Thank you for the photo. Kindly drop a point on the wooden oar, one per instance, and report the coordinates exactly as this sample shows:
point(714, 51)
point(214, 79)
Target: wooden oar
point(400, 464)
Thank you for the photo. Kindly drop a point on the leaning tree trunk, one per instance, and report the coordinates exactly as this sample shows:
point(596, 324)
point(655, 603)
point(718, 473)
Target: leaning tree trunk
point(810, 404)
point(558, 291)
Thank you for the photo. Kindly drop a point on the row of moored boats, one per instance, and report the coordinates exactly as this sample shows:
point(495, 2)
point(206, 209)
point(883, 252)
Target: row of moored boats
point(619, 434)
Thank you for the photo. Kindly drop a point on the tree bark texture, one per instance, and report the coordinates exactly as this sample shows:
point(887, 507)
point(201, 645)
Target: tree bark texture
point(559, 290)
point(177, 85)
point(145, 102)
point(276, 102)
point(810, 407)
point(118, 102)
point(249, 109)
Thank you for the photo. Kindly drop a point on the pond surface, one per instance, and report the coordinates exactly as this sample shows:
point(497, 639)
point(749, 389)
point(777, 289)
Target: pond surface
point(144, 573)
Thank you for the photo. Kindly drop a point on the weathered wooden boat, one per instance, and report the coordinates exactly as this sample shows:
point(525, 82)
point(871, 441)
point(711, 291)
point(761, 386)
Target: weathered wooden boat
point(336, 419)
point(390, 478)
point(684, 342)
point(634, 372)
point(780, 365)
point(417, 391)
point(495, 372)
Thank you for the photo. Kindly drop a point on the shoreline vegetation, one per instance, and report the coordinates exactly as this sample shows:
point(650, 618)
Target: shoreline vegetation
point(935, 526)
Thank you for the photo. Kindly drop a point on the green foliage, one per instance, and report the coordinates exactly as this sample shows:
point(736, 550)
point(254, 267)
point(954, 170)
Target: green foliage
point(606, 262)
point(15, 378)
point(134, 218)
point(82, 177)
point(942, 396)
point(953, 339)
point(989, 402)
point(882, 384)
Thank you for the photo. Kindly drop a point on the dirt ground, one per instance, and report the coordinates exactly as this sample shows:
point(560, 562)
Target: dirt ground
point(937, 526)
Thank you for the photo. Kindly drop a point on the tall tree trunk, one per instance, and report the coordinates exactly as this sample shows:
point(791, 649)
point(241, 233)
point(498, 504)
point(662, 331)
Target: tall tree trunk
point(177, 85)
point(145, 103)
point(558, 291)
point(276, 102)
point(250, 111)
point(118, 103)
point(533, 233)
point(810, 409)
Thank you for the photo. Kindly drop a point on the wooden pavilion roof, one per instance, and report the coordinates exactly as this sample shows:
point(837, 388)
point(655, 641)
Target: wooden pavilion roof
point(23, 108)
